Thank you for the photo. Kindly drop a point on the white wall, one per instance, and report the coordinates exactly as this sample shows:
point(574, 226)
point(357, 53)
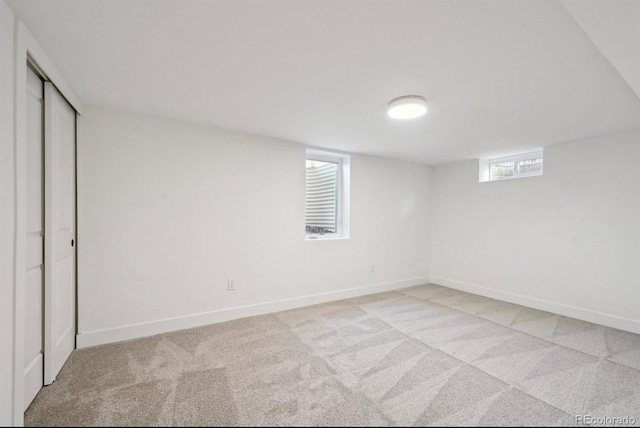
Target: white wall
point(7, 208)
point(170, 210)
point(567, 241)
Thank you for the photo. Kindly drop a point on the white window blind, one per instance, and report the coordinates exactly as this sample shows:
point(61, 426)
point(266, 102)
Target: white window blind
point(321, 213)
point(524, 165)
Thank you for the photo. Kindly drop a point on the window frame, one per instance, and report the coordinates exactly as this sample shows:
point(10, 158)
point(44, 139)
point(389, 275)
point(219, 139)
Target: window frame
point(485, 166)
point(343, 162)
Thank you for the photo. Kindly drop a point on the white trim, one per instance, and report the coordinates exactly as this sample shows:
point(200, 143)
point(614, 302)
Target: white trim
point(79, 229)
point(321, 156)
point(20, 114)
point(32, 48)
point(520, 156)
point(543, 305)
point(163, 326)
point(325, 237)
point(26, 48)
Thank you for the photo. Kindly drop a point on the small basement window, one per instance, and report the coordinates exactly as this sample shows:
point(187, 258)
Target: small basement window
point(518, 166)
point(327, 195)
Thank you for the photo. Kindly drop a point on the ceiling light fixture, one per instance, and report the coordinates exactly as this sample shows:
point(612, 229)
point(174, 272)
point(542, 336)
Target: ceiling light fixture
point(407, 107)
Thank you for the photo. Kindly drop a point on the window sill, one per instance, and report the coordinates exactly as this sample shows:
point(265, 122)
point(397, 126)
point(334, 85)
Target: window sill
point(328, 238)
point(512, 178)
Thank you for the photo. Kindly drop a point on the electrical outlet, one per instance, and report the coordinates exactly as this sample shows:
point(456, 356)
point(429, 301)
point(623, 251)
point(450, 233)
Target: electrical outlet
point(231, 284)
point(372, 269)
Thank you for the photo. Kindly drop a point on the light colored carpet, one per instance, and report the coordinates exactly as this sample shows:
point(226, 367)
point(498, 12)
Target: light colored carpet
point(425, 355)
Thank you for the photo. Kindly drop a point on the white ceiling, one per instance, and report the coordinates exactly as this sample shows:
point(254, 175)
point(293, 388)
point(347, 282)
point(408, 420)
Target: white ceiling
point(614, 27)
point(500, 76)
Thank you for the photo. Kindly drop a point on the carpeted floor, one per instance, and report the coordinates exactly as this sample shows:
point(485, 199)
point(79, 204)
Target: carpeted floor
point(425, 355)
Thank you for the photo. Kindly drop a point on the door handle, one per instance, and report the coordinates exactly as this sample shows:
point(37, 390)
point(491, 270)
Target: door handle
point(72, 242)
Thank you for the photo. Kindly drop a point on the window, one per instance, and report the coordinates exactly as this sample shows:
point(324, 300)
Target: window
point(526, 165)
point(327, 195)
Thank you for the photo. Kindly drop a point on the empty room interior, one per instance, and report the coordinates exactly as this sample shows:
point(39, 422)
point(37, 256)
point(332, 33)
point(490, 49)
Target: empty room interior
point(320, 213)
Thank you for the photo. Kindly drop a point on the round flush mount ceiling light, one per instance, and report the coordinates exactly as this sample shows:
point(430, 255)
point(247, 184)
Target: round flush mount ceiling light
point(407, 107)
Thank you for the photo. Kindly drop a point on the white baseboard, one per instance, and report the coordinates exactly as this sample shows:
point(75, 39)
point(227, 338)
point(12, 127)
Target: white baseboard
point(135, 331)
point(543, 305)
